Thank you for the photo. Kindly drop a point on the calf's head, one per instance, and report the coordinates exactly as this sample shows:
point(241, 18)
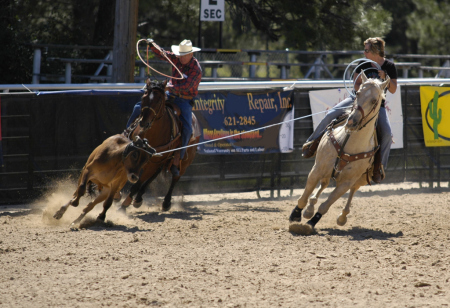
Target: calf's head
point(135, 156)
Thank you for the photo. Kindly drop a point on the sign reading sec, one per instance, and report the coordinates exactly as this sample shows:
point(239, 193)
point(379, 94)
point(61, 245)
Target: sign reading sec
point(212, 10)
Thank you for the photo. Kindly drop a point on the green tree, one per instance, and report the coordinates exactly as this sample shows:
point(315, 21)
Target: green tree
point(429, 25)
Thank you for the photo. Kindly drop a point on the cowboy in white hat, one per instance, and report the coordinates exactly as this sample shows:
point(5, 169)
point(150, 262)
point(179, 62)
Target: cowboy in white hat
point(181, 91)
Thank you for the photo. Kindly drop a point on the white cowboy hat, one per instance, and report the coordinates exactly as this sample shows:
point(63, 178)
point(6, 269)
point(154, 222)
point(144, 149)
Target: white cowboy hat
point(184, 48)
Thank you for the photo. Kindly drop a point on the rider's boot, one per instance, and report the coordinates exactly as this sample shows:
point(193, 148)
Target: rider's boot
point(378, 174)
point(175, 168)
point(309, 148)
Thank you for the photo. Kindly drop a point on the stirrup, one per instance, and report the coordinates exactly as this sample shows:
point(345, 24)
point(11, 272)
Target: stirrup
point(378, 174)
point(309, 149)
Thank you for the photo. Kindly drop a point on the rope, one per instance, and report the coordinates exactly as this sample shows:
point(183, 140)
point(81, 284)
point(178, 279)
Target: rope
point(238, 134)
point(164, 54)
point(364, 61)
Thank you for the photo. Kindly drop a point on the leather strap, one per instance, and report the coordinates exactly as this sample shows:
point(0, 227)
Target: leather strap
point(345, 158)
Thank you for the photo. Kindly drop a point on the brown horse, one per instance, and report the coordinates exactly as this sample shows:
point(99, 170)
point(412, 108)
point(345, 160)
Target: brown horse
point(159, 124)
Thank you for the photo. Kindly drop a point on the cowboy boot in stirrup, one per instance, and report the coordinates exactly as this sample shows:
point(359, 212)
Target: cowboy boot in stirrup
point(377, 175)
point(175, 168)
point(309, 148)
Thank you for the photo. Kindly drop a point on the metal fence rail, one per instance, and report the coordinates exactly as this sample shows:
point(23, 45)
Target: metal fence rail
point(64, 64)
point(20, 180)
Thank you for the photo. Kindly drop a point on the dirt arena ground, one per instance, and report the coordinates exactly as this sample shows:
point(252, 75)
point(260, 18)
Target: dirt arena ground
point(231, 250)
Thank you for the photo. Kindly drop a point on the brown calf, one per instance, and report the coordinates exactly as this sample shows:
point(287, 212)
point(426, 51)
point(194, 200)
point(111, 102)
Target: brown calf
point(109, 167)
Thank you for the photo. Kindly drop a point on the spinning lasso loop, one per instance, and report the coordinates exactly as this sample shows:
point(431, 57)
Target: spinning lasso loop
point(164, 54)
point(363, 61)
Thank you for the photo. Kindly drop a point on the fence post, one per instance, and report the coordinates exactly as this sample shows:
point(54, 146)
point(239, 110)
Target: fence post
point(36, 66)
point(287, 61)
point(283, 72)
point(68, 72)
point(252, 69)
point(141, 74)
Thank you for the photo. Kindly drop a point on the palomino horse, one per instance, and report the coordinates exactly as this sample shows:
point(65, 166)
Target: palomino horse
point(355, 144)
point(162, 129)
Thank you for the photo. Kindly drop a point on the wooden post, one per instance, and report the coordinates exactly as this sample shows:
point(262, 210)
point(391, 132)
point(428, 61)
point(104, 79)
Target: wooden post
point(125, 26)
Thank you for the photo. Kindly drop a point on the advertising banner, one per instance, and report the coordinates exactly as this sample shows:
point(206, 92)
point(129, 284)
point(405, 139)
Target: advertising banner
point(241, 115)
point(323, 100)
point(435, 106)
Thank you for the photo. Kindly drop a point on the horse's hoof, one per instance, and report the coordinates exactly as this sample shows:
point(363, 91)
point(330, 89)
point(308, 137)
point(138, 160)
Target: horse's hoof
point(312, 201)
point(137, 204)
point(341, 220)
point(308, 214)
point(127, 201)
point(57, 215)
point(122, 210)
point(117, 196)
point(301, 229)
point(101, 218)
point(166, 206)
point(296, 214)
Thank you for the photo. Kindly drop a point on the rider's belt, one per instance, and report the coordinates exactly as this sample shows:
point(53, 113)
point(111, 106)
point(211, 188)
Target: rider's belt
point(185, 97)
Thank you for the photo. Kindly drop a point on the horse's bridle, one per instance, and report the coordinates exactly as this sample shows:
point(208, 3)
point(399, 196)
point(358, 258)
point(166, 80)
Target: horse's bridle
point(156, 117)
point(360, 109)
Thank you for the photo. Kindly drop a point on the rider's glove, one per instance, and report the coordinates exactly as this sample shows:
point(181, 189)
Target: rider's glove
point(150, 41)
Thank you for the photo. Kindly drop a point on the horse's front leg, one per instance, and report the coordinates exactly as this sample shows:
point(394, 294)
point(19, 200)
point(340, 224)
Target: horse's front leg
point(168, 198)
point(309, 211)
point(138, 199)
point(342, 218)
point(311, 183)
point(325, 206)
point(129, 198)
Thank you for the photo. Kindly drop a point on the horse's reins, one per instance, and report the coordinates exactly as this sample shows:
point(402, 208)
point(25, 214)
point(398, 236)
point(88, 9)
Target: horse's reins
point(165, 56)
point(155, 118)
point(161, 107)
point(340, 162)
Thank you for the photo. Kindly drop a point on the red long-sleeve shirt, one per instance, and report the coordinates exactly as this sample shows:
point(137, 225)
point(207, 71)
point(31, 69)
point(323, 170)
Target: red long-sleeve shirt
point(189, 85)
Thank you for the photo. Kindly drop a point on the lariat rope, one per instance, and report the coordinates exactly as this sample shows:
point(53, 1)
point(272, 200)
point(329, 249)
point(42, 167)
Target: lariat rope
point(165, 56)
point(249, 131)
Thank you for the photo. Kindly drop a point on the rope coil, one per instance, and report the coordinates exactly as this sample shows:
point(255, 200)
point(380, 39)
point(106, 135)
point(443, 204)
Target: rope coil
point(164, 54)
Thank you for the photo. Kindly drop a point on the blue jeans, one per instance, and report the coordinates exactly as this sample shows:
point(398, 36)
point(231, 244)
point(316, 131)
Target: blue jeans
point(136, 112)
point(186, 120)
point(383, 127)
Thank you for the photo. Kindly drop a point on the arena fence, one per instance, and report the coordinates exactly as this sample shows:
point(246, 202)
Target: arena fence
point(47, 137)
point(80, 64)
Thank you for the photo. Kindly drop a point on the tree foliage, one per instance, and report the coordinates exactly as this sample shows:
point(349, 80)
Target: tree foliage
point(429, 25)
point(408, 26)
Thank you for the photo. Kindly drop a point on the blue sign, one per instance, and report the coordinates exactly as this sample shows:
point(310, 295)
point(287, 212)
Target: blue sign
point(237, 120)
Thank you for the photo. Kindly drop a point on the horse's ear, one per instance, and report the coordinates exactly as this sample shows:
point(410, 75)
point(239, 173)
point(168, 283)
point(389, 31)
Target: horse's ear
point(165, 82)
point(386, 82)
point(363, 77)
point(148, 82)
